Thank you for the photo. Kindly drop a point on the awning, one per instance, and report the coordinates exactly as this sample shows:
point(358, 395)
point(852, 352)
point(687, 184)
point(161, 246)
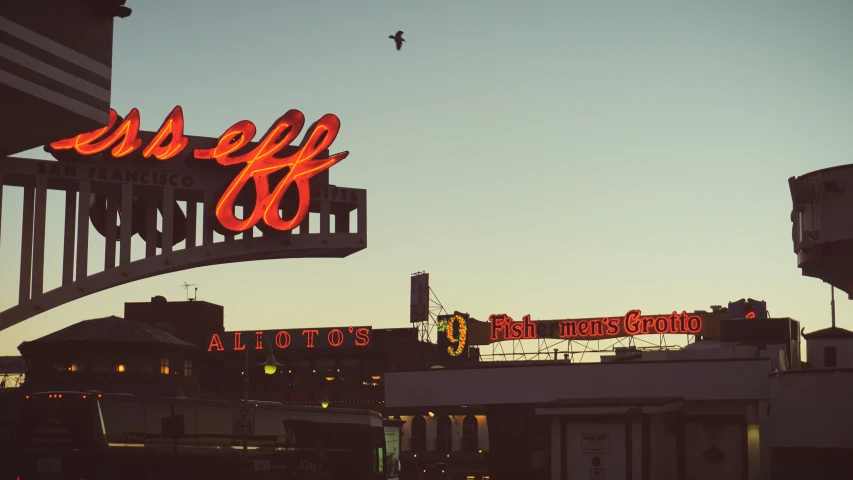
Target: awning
point(611, 406)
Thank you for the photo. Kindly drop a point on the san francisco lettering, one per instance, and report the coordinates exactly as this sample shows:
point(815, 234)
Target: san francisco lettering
point(503, 327)
point(261, 161)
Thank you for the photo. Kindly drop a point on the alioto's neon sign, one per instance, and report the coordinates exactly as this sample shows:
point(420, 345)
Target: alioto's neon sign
point(341, 337)
point(261, 161)
point(503, 327)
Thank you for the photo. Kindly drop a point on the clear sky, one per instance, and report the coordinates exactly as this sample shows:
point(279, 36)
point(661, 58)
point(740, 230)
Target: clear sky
point(557, 158)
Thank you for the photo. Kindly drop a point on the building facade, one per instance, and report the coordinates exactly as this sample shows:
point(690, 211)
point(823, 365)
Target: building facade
point(742, 407)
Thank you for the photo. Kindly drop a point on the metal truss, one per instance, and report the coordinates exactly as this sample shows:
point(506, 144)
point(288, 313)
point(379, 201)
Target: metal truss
point(574, 350)
point(426, 329)
point(11, 381)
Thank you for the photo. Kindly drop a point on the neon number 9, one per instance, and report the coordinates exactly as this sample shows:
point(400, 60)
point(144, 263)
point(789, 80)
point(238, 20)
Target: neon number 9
point(459, 341)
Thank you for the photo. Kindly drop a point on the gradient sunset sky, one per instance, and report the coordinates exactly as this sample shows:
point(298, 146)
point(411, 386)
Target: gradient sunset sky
point(561, 159)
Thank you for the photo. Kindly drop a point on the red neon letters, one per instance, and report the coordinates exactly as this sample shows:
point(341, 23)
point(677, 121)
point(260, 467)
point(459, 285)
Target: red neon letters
point(750, 315)
point(237, 344)
point(511, 330)
point(305, 338)
point(174, 126)
point(310, 337)
point(88, 144)
point(503, 327)
point(282, 339)
point(675, 323)
point(261, 161)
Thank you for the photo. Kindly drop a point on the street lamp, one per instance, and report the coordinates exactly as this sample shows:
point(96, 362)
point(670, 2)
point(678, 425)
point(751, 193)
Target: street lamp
point(325, 401)
point(270, 367)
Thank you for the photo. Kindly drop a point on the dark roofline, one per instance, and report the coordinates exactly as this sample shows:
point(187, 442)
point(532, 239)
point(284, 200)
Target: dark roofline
point(153, 336)
point(172, 302)
point(563, 363)
point(827, 333)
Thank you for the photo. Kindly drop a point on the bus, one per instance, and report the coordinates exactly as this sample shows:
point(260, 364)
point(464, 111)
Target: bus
point(101, 436)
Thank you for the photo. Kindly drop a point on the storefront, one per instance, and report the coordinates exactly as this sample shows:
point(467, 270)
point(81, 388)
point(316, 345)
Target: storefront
point(643, 420)
point(638, 414)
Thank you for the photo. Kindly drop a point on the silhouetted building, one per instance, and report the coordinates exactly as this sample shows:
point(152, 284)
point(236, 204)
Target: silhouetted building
point(73, 38)
point(181, 349)
point(739, 407)
point(113, 355)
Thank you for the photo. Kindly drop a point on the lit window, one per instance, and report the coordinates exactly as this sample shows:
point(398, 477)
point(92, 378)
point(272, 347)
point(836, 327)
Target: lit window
point(73, 368)
point(188, 368)
point(164, 365)
point(120, 368)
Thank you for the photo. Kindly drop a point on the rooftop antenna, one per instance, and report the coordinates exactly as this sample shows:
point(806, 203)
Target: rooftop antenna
point(832, 305)
point(186, 286)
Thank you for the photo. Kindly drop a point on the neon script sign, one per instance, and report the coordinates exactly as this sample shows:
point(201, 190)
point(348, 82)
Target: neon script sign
point(291, 339)
point(446, 326)
point(503, 327)
point(262, 160)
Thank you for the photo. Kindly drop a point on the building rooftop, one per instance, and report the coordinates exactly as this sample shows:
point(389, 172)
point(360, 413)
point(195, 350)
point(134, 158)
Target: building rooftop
point(111, 329)
point(831, 332)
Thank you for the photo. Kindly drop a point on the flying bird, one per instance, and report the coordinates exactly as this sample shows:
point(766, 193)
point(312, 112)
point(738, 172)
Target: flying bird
point(398, 39)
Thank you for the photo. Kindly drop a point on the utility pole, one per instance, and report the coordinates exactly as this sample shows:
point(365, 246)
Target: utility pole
point(186, 286)
point(246, 399)
point(832, 304)
point(269, 362)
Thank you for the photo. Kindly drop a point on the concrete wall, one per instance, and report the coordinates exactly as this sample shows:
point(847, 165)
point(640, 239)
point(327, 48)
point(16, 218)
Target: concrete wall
point(843, 351)
point(744, 379)
point(579, 457)
point(701, 438)
point(812, 409)
point(662, 449)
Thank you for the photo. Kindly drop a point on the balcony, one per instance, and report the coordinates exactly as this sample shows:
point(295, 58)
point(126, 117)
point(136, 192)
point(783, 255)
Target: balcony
point(822, 232)
point(440, 445)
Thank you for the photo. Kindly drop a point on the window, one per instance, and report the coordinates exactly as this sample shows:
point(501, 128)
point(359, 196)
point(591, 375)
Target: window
point(164, 365)
point(830, 357)
point(442, 434)
point(120, 368)
point(379, 461)
point(418, 434)
point(188, 368)
point(74, 368)
point(470, 434)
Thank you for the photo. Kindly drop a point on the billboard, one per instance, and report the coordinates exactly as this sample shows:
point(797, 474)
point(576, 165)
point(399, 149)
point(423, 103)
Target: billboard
point(419, 311)
point(502, 327)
